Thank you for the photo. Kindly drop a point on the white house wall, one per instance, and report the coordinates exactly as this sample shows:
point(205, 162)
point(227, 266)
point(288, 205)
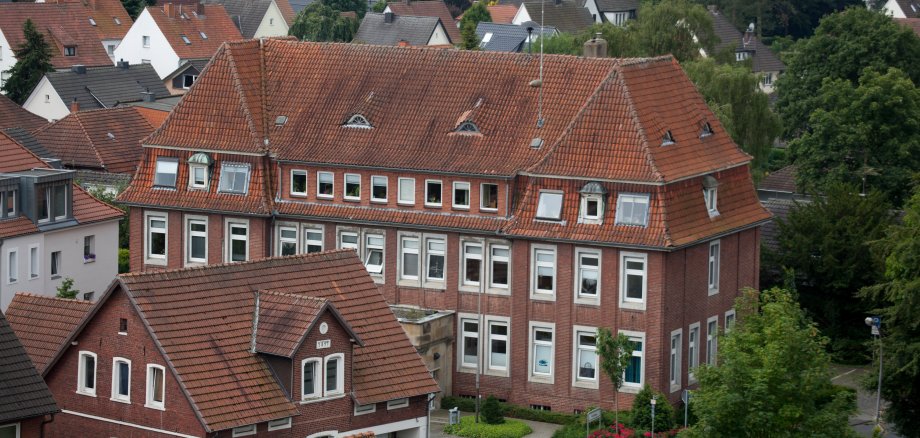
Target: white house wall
point(522, 16)
point(7, 60)
point(272, 24)
point(160, 54)
point(591, 6)
point(893, 9)
point(45, 102)
point(114, 43)
point(439, 37)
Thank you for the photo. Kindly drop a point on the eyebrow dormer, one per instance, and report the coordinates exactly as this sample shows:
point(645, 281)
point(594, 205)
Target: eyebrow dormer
point(358, 121)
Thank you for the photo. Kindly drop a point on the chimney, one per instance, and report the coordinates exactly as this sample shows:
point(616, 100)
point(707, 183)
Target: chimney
point(596, 47)
point(78, 69)
point(404, 43)
point(168, 9)
point(147, 96)
point(387, 17)
point(200, 10)
point(74, 106)
point(122, 64)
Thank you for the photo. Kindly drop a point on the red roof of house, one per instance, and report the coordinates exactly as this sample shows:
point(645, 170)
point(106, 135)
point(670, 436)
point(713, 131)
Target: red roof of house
point(106, 139)
point(15, 116)
point(16, 157)
point(178, 20)
point(503, 14)
point(429, 8)
point(782, 180)
point(287, 11)
point(44, 323)
point(104, 13)
point(62, 24)
point(285, 319)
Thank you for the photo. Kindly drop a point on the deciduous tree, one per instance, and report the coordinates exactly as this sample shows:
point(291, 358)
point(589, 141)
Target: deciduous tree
point(614, 353)
point(318, 22)
point(33, 60)
point(675, 27)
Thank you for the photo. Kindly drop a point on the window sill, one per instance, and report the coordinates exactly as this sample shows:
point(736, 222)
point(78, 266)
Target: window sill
point(488, 210)
point(499, 292)
point(460, 208)
point(34, 278)
point(405, 203)
point(630, 389)
point(496, 373)
point(123, 333)
point(324, 196)
point(534, 296)
point(546, 380)
point(632, 306)
point(713, 292)
point(594, 302)
point(435, 206)
point(127, 402)
point(676, 387)
point(321, 399)
point(85, 261)
point(379, 201)
point(88, 394)
point(55, 277)
point(378, 279)
point(298, 195)
point(157, 407)
point(156, 262)
point(467, 369)
point(350, 199)
point(585, 384)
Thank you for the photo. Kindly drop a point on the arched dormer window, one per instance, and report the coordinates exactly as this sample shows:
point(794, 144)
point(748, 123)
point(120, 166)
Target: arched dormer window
point(592, 203)
point(468, 127)
point(710, 195)
point(358, 121)
point(705, 130)
point(667, 139)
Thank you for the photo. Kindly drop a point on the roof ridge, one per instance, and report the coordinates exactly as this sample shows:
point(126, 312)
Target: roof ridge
point(88, 137)
point(59, 299)
point(317, 255)
point(244, 103)
point(640, 129)
point(292, 295)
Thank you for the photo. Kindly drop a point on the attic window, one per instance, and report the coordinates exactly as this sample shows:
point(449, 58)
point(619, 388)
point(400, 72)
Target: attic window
point(92, 21)
point(110, 136)
point(667, 139)
point(234, 178)
point(706, 131)
point(185, 39)
point(468, 128)
point(710, 195)
point(550, 206)
point(358, 121)
point(204, 36)
point(70, 51)
point(117, 21)
point(281, 120)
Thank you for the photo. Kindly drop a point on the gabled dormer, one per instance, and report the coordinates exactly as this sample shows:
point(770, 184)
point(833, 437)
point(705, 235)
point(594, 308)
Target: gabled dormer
point(45, 196)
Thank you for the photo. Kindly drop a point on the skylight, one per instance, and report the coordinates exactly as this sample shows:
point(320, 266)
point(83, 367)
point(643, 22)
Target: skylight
point(667, 139)
point(185, 39)
point(706, 131)
point(281, 120)
point(111, 136)
point(204, 36)
point(166, 170)
point(550, 206)
point(92, 21)
point(468, 128)
point(358, 121)
point(117, 21)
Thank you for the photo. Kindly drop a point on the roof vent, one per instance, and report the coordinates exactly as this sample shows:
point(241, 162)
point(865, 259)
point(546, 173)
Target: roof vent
point(536, 143)
point(667, 139)
point(147, 96)
point(78, 69)
point(110, 136)
point(281, 120)
point(123, 64)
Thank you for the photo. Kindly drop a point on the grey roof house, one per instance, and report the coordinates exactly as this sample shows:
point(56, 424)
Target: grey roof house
point(568, 16)
point(612, 11)
point(389, 29)
point(498, 37)
point(259, 18)
point(181, 79)
point(747, 46)
point(25, 398)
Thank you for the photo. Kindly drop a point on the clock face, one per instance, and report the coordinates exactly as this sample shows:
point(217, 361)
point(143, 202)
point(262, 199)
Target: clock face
point(323, 328)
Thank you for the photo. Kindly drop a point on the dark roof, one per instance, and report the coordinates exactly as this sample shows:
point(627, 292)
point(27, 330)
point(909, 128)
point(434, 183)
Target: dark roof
point(507, 37)
point(416, 31)
point(429, 8)
point(299, 5)
point(780, 209)
point(28, 140)
point(196, 65)
point(62, 24)
point(43, 323)
point(782, 180)
point(105, 87)
point(910, 8)
point(617, 5)
point(763, 58)
point(246, 14)
point(567, 16)
point(25, 394)
point(15, 116)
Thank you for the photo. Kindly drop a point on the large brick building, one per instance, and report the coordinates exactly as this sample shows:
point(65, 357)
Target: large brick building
point(606, 194)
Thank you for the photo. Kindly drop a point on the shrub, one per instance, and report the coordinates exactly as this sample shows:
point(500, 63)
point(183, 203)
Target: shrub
point(66, 290)
point(642, 411)
point(124, 260)
point(512, 411)
point(468, 428)
point(491, 412)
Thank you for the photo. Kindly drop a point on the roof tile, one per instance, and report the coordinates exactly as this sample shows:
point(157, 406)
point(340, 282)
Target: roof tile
point(61, 24)
point(25, 394)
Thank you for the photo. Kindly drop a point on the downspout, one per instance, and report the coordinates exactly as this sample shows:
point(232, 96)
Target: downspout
point(41, 429)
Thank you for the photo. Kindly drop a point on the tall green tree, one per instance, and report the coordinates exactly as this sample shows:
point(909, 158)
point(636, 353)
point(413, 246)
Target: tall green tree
point(676, 27)
point(845, 44)
point(469, 41)
point(614, 353)
point(772, 379)
point(865, 134)
point(898, 296)
point(380, 6)
point(795, 18)
point(476, 13)
point(135, 7)
point(318, 22)
point(33, 60)
point(357, 6)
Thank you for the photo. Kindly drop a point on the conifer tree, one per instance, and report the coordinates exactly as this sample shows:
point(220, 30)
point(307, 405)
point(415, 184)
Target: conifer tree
point(33, 60)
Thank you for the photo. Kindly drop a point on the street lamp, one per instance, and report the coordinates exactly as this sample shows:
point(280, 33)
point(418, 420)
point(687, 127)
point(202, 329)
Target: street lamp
point(876, 323)
point(653, 415)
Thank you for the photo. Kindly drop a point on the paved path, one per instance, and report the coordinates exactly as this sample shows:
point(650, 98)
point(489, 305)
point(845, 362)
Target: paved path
point(864, 420)
point(439, 420)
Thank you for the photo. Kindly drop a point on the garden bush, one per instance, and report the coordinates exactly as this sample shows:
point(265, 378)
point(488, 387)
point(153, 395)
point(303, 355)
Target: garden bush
point(491, 412)
point(468, 428)
point(512, 411)
point(642, 411)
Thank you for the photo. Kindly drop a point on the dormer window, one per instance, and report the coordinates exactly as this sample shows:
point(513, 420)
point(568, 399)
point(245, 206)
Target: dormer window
point(8, 204)
point(549, 206)
point(706, 130)
point(198, 165)
point(710, 195)
point(667, 139)
point(632, 209)
point(166, 171)
point(358, 121)
point(468, 127)
point(592, 203)
point(70, 51)
point(742, 56)
point(234, 178)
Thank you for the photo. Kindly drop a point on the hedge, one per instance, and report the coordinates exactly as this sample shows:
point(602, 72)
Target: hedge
point(468, 428)
point(509, 410)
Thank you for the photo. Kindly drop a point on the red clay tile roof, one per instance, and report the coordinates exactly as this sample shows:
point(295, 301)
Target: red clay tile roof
point(154, 117)
point(913, 23)
point(104, 13)
point(501, 14)
point(429, 8)
point(393, 216)
point(215, 23)
point(287, 11)
point(782, 180)
point(61, 24)
point(108, 139)
point(230, 385)
point(25, 394)
point(16, 157)
point(87, 209)
point(285, 319)
point(15, 116)
point(44, 323)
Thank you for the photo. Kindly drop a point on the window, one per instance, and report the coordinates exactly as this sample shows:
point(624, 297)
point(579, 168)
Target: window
point(203, 35)
point(44, 208)
point(188, 80)
point(667, 139)
point(472, 263)
point(586, 356)
point(313, 239)
point(34, 261)
point(469, 345)
point(498, 266)
point(632, 210)
point(197, 244)
point(287, 241)
point(358, 121)
point(298, 183)
point(433, 193)
point(397, 404)
point(86, 374)
point(462, 195)
point(352, 186)
point(729, 320)
point(156, 237)
point(348, 240)
point(325, 182)
point(710, 195)
point(121, 379)
point(185, 39)
point(110, 50)
point(234, 178)
point(706, 130)
point(271, 21)
point(373, 253)
point(592, 208)
point(198, 176)
point(335, 375)
point(8, 204)
point(92, 21)
point(12, 267)
point(541, 351)
point(166, 172)
point(409, 264)
point(9, 430)
point(485, 39)
point(156, 387)
point(122, 326)
point(146, 40)
point(365, 409)
point(714, 252)
point(59, 202)
point(544, 272)
point(70, 51)
point(89, 248)
point(116, 20)
point(741, 56)
point(632, 280)
point(436, 259)
point(244, 430)
point(406, 191)
point(468, 127)
point(767, 79)
point(588, 271)
point(549, 206)
point(498, 345)
point(712, 342)
point(47, 98)
point(379, 188)
point(674, 369)
point(488, 197)
point(309, 388)
point(634, 375)
point(56, 267)
point(693, 350)
point(283, 423)
point(238, 242)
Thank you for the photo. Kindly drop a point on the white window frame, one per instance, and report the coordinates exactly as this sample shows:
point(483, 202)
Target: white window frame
point(549, 193)
point(634, 198)
point(331, 176)
point(156, 259)
point(364, 409)
point(375, 182)
point(115, 395)
point(16, 426)
point(339, 375)
point(307, 228)
point(494, 288)
point(461, 337)
point(532, 374)
point(12, 266)
point(345, 184)
point(81, 371)
point(711, 197)
point(714, 260)
point(35, 263)
point(56, 273)
point(627, 302)
point(276, 426)
point(712, 339)
point(228, 238)
point(458, 185)
point(584, 217)
point(247, 430)
point(306, 183)
point(729, 322)
point(440, 194)
point(578, 381)
point(634, 336)
point(373, 270)
point(145, 41)
point(339, 244)
point(397, 404)
point(470, 286)
point(543, 294)
point(225, 172)
point(497, 370)
point(191, 176)
point(585, 298)
point(675, 362)
point(432, 282)
point(318, 382)
point(693, 350)
point(149, 399)
point(63, 213)
point(410, 280)
point(281, 239)
point(482, 198)
point(189, 234)
point(399, 185)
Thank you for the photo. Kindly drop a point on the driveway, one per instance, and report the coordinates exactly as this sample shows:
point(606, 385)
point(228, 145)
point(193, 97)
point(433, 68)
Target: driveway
point(864, 420)
point(439, 419)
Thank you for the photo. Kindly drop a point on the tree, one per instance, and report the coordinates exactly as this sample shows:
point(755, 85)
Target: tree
point(492, 411)
point(865, 134)
point(108, 196)
point(675, 27)
point(478, 12)
point(357, 6)
point(470, 41)
point(318, 22)
point(772, 378)
point(843, 46)
point(66, 290)
point(33, 60)
point(826, 245)
point(898, 299)
point(135, 7)
point(614, 353)
point(380, 6)
point(642, 411)
point(796, 18)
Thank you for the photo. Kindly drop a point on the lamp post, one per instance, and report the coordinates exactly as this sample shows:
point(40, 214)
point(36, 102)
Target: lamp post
point(876, 323)
point(653, 415)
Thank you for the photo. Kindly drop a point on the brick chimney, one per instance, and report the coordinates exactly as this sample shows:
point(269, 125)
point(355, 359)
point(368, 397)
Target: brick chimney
point(404, 43)
point(596, 47)
point(74, 106)
point(169, 9)
point(200, 10)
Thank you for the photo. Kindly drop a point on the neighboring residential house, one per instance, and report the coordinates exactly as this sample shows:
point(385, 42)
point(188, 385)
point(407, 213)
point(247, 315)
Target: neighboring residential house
point(616, 12)
point(15, 116)
point(902, 8)
point(496, 37)
point(779, 194)
point(912, 23)
point(110, 20)
point(745, 47)
point(168, 35)
point(306, 346)
point(428, 8)
point(502, 14)
point(180, 80)
point(299, 5)
point(26, 402)
point(259, 18)
point(567, 16)
point(51, 229)
point(624, 204)
point(389, 29)
point(81, 88)
point(155, 110)
point(72, 38)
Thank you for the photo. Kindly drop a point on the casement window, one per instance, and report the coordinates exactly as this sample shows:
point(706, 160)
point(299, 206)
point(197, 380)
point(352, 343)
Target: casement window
point(287, 240)
point(166, 171)
point(544, 272)
point(156, 387)
point(365, 409)
point(8, 204)
point(406, 191)
point(472, 263)
point(145, 40)
point(325, 184)
point(312, 239)
point(541, 351)
point(712, 340)
point(352, 186)
point(693, 350)
point(462, 195)
point(499, 262)
point(632, 209)
point(188, 80)
point(34, 261)
point(436, 259)
point(282, 423)
point(121, 380)
point(549, 206)
point(9, 430)
point(588, 275)
point(767, 79)
point(122, 326)
point(633, 280)
point(310, 386)
point(585, 369)
point(298, 182)
point(634, 376)
point(498, 345)
point(56, 266)
point(348, 239)
point(334, 375)
point(156, 241)
point(469, 344)
point(592, 208)
point(488, 197)
point(12, 266)
point(197, 176)
point(44, 206)
point(729, 320)
point(373, 253)
point(379, 188)
point(247, 430)
point(674, 367)
point(432, 193)
point(70, 51)
point(237, 241)
point(714, 255)
point(59, 202)
point(89, 248)
point(409, 257)
point(234, 178)
point(197, 240)
point(86, 373)
point(710, 195)
point(397, 404)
